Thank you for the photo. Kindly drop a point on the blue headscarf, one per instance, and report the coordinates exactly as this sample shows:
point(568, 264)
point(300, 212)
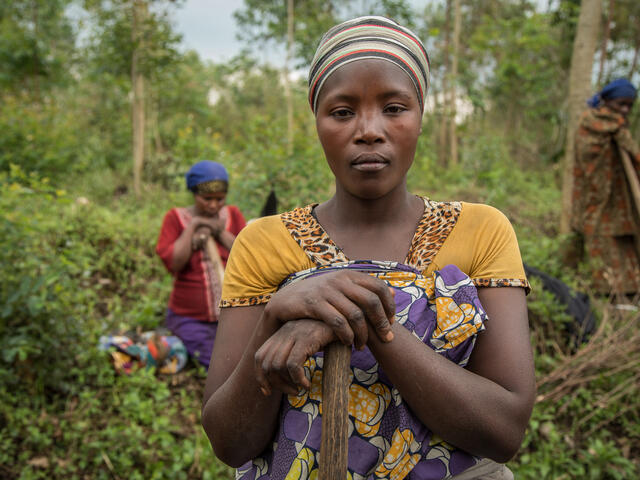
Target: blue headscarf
point(206, 171)
point(617, 89)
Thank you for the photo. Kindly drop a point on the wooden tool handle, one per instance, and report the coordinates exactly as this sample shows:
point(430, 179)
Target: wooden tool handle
point(632, 177)
point(336, 377)
point(214, 257)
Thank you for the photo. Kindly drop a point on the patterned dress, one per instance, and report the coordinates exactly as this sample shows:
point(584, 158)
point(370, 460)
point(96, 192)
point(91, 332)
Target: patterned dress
point(602, 209)
point(386, 439)
point(440, 308)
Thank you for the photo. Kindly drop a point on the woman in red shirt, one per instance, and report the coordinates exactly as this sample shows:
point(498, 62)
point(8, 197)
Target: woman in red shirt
point(194, 245)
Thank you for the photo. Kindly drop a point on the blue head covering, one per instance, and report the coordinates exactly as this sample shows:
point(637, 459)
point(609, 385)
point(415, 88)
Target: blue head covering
point(207, 172)
point(617, 89)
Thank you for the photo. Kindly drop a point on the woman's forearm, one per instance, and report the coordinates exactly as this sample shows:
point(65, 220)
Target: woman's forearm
point(238, 418)
point(485, 407)
point(226, 239)
point(182, 249)
point(465, 409)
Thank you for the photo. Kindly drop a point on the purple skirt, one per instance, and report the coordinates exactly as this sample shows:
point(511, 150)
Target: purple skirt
point(197, 336)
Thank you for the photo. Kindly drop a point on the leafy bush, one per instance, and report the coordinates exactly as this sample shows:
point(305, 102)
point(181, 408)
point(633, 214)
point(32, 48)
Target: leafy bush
point(74, 270)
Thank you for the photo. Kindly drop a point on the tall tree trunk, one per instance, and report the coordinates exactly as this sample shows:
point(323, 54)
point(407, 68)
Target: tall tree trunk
point(444, 113)
point(584, 47)
point(137, 78)
point(287, 80)
point(156, 148)
point(605, 41)
point(35, 70)
point(453, 137)
point(634, 62)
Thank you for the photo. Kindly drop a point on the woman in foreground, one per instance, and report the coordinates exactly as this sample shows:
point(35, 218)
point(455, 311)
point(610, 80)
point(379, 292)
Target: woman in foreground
point(439, 386)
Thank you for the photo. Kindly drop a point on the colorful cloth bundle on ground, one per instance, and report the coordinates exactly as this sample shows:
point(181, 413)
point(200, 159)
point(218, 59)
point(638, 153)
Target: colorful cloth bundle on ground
point(152, 349)
point(386, 440)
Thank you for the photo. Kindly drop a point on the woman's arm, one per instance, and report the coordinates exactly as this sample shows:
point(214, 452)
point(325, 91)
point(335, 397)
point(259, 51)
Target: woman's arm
point(225, 238)
point(183, 248)
point(239, 409)
point(238, 418)
point(485, 408)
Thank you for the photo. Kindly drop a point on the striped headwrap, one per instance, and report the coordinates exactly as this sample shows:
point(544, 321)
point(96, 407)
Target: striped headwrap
point(365, 38)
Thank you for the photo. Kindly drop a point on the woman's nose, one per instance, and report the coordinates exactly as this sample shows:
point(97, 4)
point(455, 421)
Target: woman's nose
point(369, 128)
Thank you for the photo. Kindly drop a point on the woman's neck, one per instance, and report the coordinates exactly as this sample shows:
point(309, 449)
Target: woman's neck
point(380, 229)
point(346, 210)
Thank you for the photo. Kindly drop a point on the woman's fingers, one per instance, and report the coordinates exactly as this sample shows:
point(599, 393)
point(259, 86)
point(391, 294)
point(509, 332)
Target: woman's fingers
point(348, 302)
point(272, 364)
point(264, 358)
point(376, 301)
point(279, 362)
point(335, 313)
point(349, 317)
point(313, 337)
point(365, 299)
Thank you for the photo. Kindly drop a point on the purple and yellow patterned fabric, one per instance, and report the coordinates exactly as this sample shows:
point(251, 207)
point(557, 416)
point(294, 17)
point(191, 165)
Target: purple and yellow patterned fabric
point(386, 440)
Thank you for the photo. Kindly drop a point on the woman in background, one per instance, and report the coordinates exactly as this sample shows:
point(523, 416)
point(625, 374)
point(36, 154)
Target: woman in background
point(194, 244)
point(602, 213)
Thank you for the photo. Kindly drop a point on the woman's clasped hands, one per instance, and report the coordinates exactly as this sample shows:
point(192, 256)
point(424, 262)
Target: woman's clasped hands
point(345, 306)
point(203, 228)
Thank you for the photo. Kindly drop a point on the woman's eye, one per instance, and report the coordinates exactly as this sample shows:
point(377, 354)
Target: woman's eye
point(341, 113)
point(394, 108)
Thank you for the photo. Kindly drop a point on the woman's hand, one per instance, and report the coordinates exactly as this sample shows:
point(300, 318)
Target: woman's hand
point(214, 224)
point(279, 361)
point(199, 238)
point(346, 301)
point(203, 228)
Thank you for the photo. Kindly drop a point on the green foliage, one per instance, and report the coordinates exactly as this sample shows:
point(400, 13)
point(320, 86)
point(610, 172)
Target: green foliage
point(39, 138)
point(134, 426)
point(35, 45)
point(77, 265)
point(72, 271)
point(266, 21)
point(528, 83)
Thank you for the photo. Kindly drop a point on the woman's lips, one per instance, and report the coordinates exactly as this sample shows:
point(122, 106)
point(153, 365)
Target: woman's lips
point(369, 162)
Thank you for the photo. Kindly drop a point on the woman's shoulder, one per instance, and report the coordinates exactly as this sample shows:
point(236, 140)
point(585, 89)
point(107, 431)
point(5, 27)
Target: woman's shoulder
point(263, 229)
point(263, 254)
point(481, 213)
point(600, 120)
point(454, 212)
point(478, 227)
point(172, 216)
point(234, 210)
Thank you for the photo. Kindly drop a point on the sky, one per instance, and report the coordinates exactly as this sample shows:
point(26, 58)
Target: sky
point(208, 27)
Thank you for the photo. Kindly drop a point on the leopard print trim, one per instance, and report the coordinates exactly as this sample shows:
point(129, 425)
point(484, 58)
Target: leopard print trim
point(246, 302)
point(503, 282)
point(311, 237)
point(434, 227)
point(436, 224)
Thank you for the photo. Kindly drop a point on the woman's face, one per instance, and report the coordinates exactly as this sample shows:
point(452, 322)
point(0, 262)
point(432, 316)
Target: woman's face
point(622, 105)
point(209, 204)
point(368, 121)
